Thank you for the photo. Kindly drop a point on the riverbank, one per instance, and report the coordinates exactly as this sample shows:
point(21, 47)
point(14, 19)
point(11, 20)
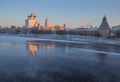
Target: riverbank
point(58, 38)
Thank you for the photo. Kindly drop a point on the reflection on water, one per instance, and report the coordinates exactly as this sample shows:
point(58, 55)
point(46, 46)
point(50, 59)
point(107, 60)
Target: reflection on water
point(34, 47)
point(59, 62)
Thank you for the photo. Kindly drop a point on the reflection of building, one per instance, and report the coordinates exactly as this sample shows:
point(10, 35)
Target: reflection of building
point(104, 28)
point(48, 47)
point(31, 21)
point(33, 48)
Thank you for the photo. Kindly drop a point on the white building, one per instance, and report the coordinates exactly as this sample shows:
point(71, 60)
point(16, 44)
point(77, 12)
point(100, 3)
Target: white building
point(31, 21)
point(115, 29)
point(47, 22)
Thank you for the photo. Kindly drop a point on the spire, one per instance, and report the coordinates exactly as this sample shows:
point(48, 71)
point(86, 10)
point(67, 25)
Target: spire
point(91, 26)
point(104, 23)
point(105, 18)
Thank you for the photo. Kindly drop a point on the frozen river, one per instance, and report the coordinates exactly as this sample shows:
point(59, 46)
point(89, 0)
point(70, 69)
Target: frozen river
point(44, 61)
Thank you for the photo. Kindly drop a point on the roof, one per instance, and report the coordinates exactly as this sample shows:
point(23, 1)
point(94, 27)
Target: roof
point(104, 23)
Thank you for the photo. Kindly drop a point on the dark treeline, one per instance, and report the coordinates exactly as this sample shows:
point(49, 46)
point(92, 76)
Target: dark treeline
point(118, 34)
point(10, 30)
point(14, 30)
point(68, 32)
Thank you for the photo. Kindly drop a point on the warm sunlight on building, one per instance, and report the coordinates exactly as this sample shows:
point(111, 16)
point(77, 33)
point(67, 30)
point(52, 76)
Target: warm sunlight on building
point(39, 27)
point(47, 22)
point(31, 21)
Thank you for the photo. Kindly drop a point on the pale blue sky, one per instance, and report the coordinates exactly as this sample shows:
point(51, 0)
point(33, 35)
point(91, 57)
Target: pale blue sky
point(73, 13)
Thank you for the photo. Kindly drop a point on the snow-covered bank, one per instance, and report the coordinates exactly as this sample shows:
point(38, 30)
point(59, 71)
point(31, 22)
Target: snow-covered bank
point(75, 40)
point(99, 52)
point(24, 39)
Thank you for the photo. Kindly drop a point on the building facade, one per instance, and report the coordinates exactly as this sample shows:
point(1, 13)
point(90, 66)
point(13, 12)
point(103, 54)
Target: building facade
point(47, 22)
point(31, 22)
point(115, 29)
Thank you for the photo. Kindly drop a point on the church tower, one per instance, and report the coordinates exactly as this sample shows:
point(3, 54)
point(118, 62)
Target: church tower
point(31, 21)
point(64, 27)
point(104, 28)
point(47, 22)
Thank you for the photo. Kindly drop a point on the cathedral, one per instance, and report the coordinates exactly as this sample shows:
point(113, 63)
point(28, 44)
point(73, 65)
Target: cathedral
point(31, 22)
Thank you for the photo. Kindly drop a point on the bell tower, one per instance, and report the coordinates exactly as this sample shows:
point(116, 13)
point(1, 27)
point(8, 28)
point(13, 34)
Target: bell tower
point(47, 22)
